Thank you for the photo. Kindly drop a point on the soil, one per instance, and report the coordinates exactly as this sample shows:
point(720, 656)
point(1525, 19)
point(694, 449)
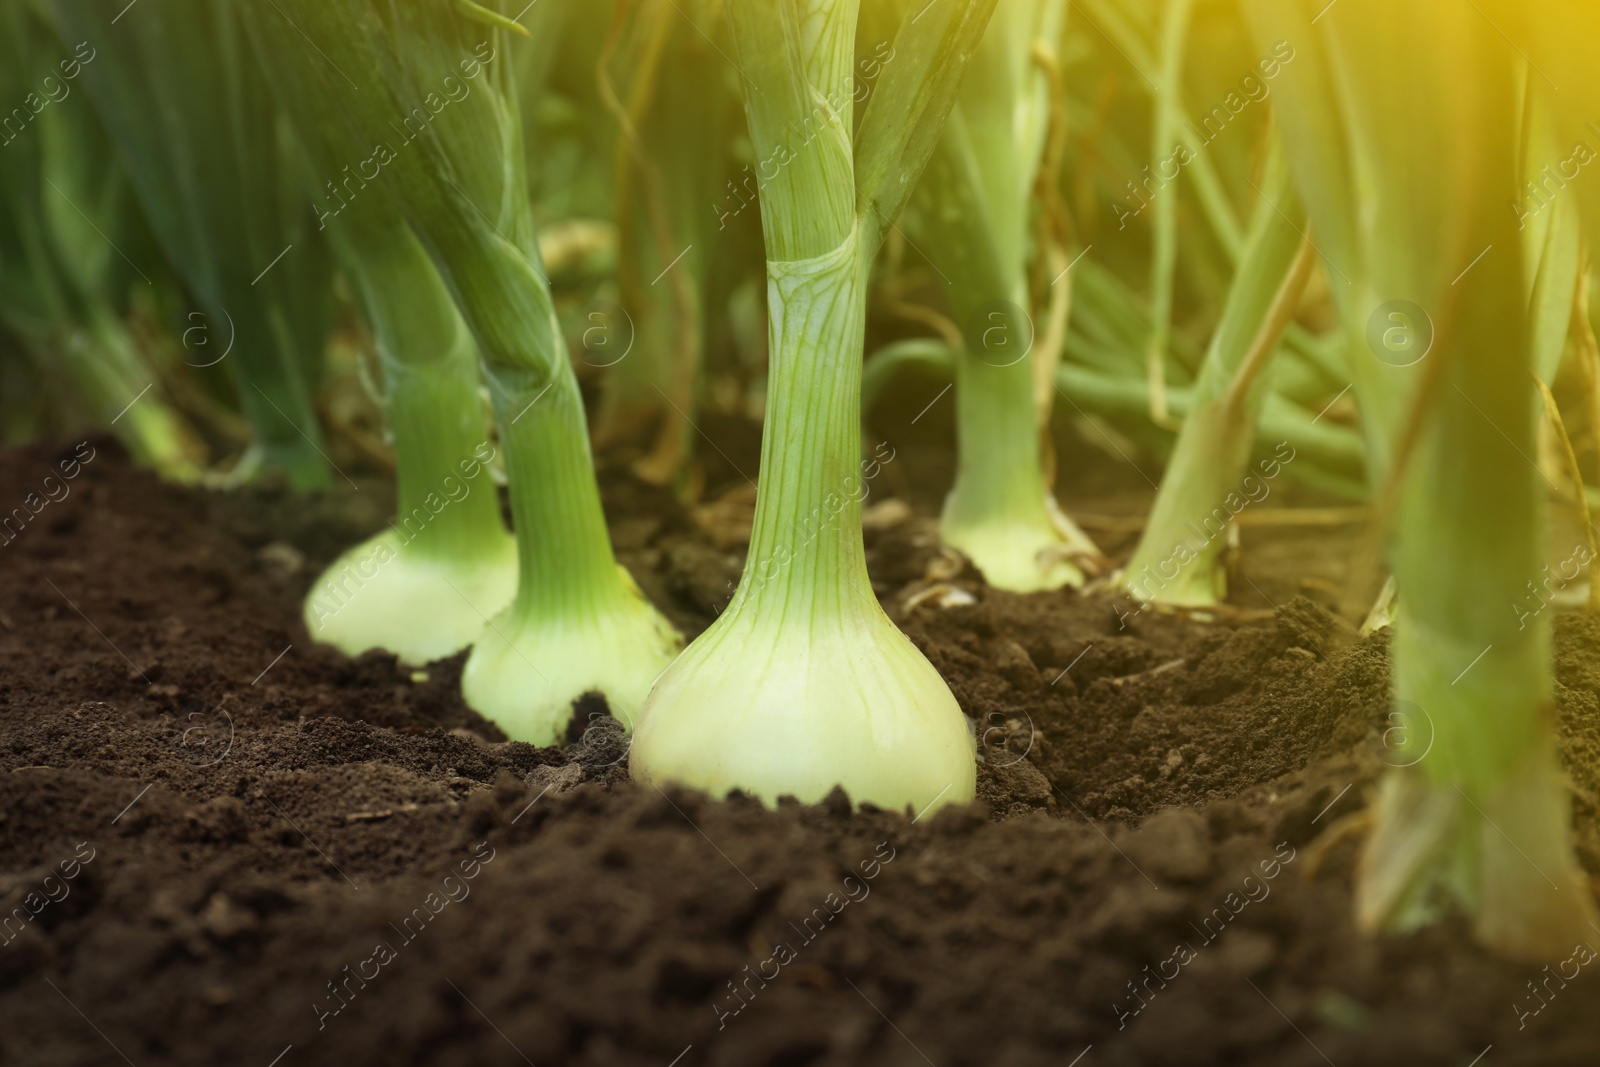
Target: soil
point(242, 848)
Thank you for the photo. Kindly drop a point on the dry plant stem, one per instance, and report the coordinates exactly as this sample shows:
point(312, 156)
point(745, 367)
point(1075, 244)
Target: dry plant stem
point(659, 384)
point(1553, 412)
point(672, 444)
point(629, 397)
point(1047, 356)
point(1381, 614)
point(1054, 237)
point(1588, 352)
point(940, 323)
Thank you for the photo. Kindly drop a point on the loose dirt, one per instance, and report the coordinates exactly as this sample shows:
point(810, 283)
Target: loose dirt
point(278, 855)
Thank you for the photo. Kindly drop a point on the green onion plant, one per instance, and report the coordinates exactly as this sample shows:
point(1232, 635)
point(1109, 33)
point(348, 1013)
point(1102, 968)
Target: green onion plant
point(971, 213)
point(1100, 380)
point(438, 101)
point(803, 683)
point(424, 588)
point(192, 118)
point(668, 89)
point(1406, 169)
point(65, 207)
point(1208, 480)
point(1558, 36)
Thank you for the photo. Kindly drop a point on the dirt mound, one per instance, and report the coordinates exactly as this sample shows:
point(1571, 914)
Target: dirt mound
point(279, 852)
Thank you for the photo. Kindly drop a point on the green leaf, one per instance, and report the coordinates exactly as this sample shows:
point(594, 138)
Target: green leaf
point(479, 13)
point(909, 106)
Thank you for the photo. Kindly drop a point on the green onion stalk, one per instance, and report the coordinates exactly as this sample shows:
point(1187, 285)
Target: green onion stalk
point(1173, 111)
point(1554, 198)
point(439, 102)
point(971, 213)
point(424, 588)
point(192, 117)
point(1108, 319)
point(632, 346)
point(1198, 143)
point(803, 683)
point(1401, 123)
point(671, 211)
point(569, 140)
point(1327, 454)
point(1557, 204)
point(1559, 36)
point(1097, 378)
point(64, 200)
point(1552, 248)
point(1209, 478)
point(1164, 258)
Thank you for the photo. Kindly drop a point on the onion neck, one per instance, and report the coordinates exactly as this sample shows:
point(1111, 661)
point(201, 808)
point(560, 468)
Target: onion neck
point(566, 569)
point(445, 501)
point(807, 561)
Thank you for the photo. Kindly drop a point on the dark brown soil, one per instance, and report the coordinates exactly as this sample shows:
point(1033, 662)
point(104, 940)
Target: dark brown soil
point(281, 856)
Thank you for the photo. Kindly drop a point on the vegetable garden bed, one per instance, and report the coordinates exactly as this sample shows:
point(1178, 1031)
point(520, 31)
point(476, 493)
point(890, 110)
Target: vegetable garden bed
point(459, 606)
point(270, 844)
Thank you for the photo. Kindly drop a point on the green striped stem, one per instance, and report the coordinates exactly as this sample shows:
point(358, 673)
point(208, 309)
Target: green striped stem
point(1179, 558)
